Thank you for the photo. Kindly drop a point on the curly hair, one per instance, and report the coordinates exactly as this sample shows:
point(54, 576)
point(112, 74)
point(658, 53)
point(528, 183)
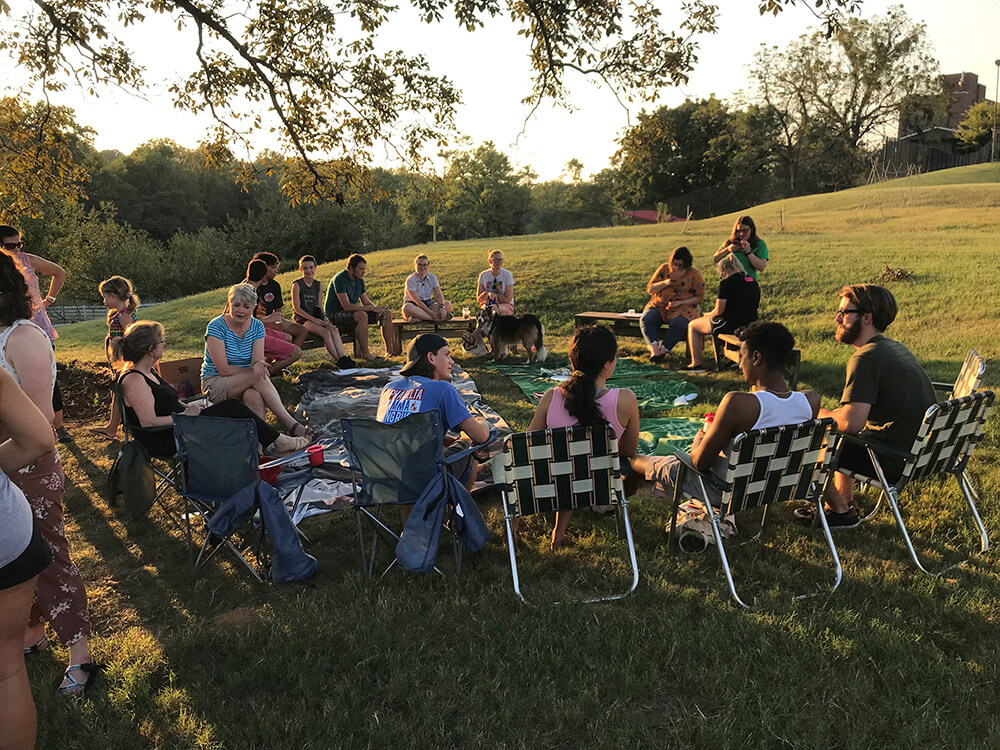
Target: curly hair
point(590, 349)
point(15, 299)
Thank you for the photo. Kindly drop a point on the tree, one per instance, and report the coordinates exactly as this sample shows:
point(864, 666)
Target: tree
point(976, 129)
point(482, 196)
point(830, 94)
point(39, 157)
point(310, 72)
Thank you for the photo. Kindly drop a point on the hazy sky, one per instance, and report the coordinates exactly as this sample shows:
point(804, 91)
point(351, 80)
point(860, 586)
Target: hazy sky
point(490, 67)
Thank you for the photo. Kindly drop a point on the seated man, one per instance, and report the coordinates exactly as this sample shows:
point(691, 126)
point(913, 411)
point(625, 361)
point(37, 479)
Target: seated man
point(347, 304)
point(884, 398)
point(425, 387)
point(764, 350)
point(279, 350)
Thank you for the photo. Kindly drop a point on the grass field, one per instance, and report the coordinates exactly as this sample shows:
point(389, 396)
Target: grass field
point(893, 659)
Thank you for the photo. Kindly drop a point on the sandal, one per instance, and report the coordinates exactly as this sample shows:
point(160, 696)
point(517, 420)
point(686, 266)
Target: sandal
point(37, 648)
point(74, 688)
point(300, 430)
point(298, 444)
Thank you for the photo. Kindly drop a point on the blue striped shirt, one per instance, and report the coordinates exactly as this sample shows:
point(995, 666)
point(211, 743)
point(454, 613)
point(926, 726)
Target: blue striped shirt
point(239, 349)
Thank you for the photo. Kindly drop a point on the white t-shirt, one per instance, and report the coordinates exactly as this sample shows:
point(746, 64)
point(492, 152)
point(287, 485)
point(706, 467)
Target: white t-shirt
point(423, 288)
point(497, 284)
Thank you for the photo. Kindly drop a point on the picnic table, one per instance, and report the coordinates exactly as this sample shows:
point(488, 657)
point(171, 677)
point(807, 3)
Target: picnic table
point(623, 324)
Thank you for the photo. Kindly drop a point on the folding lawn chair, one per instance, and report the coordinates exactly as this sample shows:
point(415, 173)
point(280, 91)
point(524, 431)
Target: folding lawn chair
point(164, 467)
point(396, 464)
point(943, 445)
point(968, 377)
point(766, 466)
point(557, 470)
point(219, 456)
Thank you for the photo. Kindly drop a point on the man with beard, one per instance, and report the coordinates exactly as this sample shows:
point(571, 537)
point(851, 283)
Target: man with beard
point(885, 397)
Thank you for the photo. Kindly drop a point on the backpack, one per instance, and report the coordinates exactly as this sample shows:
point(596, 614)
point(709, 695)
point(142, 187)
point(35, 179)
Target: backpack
point(132, 477)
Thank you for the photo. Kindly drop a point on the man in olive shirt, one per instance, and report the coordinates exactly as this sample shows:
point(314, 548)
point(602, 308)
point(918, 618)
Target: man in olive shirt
point(347, 304)
point(884, 398)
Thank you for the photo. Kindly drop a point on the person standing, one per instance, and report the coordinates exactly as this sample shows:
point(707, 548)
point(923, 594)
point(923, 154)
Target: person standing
point(885, 396)
point(347, 303)
point(32, 266)
point(744, 245)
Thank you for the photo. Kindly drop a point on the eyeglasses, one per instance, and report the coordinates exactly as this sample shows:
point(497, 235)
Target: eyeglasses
point(13, 245)
point(841, 314)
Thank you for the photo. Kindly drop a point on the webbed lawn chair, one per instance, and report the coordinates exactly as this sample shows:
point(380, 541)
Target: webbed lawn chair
point(968, 377)
point(165, 467)
point(766, 466)
point(943, 445)
point(396, 464)
point(557, 470)
point(219, 456)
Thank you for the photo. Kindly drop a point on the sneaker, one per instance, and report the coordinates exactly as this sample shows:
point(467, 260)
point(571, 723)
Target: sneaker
point(692, 368)
point(847, 520)
point(604, 511)
point(63, 435)
point(346, 363)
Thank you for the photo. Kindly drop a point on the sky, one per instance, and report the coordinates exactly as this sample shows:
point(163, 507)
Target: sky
point(490, 67)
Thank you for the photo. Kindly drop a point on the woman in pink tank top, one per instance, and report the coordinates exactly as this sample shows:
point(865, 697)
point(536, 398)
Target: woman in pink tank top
point(584, 399)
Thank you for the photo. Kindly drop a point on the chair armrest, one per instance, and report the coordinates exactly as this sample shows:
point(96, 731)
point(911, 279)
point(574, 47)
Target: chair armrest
point(878, 446)
point(494, 433)
point(942, 386)
point(708, 477)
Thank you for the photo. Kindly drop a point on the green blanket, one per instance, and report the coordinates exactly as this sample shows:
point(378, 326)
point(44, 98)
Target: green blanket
point(660, 437)
point(652, 394)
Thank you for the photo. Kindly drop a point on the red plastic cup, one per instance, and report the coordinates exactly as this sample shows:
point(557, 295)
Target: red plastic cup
point(315, 453)
point(270, 474)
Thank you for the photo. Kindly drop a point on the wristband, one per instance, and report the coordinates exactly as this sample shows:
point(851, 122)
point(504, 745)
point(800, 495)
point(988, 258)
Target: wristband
point(50, 299)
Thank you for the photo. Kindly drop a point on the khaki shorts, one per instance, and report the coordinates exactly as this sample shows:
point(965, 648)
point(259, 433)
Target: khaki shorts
point(216, 387)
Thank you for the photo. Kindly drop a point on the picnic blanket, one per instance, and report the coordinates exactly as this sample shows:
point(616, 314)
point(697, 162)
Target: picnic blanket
point(330, 396)
point(661, 437)
point(652, 390)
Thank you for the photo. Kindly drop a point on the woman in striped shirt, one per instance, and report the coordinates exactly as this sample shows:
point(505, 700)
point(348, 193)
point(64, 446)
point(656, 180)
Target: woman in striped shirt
point(234, 365)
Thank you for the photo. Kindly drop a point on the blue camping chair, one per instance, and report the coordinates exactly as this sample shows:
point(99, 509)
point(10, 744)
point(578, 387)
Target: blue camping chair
point(404, 464)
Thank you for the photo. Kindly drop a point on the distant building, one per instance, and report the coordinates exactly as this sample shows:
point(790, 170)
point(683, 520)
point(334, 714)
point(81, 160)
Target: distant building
point(966, 90)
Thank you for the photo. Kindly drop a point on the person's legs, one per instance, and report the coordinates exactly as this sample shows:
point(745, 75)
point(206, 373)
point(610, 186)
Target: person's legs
point(296, 331)
point(386, 324)
point(254, 402)
point(676, 331)
point(17, 709)
point(839, 494)
point(649, 324)
point(279, 349)
point(361, 334)
point(273, 402)
point(559, 530)
point(504, 308)
point(412, 312)
point(446, 310)
point(233, 409)
point(697, 331)
point(325, 334)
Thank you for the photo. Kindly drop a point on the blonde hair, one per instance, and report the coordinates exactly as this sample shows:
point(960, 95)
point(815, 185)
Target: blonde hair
point(491, 253)
point(122, 289)
point(138, 339)
point(729, 265)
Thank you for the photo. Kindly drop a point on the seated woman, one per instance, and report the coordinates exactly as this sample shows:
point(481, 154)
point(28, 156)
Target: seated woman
point(150, 400)
point(676, 291)
point(234, 365)
point(744, 245)
point(764, 350)
point(584, 399)
point(422, 295)
point(496, 285)
point(735, 307)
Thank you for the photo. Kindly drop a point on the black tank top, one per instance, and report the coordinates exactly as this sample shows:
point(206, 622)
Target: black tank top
point(158, 441)
point(308, 299)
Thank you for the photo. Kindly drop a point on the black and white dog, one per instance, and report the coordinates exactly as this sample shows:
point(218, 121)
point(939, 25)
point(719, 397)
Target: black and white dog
point(506, 330)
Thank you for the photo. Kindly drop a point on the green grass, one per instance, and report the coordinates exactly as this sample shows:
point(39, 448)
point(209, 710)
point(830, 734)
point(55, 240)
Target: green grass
point(893, 659)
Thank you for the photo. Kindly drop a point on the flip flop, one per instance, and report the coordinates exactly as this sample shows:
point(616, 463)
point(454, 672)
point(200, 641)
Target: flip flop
point(300, 430)
point(74, 688)
point(98, 433)
point(37, 648)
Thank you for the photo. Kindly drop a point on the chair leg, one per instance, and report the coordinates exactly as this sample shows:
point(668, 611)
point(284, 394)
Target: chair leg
point(970, 497)
point(671, 541)
point(838, 569)
point(508, 526)
point(717, 533)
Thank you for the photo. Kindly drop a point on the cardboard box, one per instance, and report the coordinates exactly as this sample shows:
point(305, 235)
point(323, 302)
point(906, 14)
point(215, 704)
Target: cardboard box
point(184, 375)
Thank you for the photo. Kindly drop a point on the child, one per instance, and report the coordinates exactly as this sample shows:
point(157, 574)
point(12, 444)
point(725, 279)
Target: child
point(122, 303)
point(306, 294)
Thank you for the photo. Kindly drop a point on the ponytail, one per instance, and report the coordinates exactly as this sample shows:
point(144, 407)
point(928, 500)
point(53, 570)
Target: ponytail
point(590, 349)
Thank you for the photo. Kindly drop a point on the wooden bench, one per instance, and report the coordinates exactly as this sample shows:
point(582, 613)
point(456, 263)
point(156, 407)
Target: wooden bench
point(404, 330)
point(623, 324)
point(346, 335)
point(727, 346)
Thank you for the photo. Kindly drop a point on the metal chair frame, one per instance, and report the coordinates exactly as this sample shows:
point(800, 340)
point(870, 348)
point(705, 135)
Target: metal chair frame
point(767, 466)
point(968, 378)
point(567, 468)
point(963, 421)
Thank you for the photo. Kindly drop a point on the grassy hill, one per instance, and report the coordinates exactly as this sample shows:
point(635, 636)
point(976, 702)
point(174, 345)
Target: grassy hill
point(893, 659)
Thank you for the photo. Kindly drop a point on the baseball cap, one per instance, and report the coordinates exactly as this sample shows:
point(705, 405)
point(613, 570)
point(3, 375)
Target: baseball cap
point(419, 348)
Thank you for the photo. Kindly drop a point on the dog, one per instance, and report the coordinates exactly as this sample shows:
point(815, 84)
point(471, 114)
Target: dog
point(473, 340)
point(510, 330)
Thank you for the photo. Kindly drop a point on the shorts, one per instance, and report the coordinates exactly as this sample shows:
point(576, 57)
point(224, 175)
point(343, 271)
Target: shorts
point(35, 558)
point(275, 345)
point(316, 313)
point(462, 468)
point(721, 325)
point(662, 472)
point(215, 387)
point(856, 459)
point(346, 318)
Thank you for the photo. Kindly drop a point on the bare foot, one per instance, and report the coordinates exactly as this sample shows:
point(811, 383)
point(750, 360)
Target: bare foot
point(558, 542)
point(370, 358)
point(108, 432)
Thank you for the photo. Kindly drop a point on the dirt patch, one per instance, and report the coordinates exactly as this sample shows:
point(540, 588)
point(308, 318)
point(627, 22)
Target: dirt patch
point(86, 391)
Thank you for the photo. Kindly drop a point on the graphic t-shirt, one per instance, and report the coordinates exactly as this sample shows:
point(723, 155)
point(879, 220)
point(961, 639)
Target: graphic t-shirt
point(497, 284)
point(418, 394)
point(343, 284)
point(269, 297)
